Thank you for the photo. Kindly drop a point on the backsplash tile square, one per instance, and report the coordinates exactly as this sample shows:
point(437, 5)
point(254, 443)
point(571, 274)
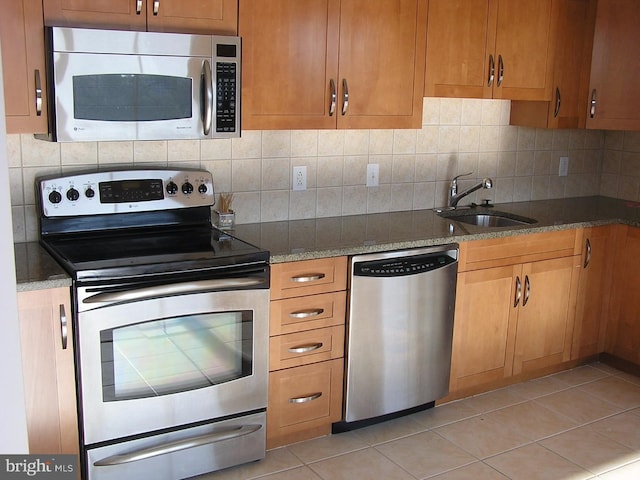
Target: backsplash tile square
point(416, 166)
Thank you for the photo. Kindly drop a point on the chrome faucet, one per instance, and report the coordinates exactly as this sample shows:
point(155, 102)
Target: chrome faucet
point(455, 197)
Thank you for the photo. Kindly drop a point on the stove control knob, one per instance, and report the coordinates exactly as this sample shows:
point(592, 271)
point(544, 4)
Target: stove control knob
point(55, 197)
point(202, 188)
point(172, 188)
point(90, 192)
point(187, 188)
point(73, 194)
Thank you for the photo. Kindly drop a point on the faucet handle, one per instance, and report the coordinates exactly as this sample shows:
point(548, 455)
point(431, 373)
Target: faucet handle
point(455, 179)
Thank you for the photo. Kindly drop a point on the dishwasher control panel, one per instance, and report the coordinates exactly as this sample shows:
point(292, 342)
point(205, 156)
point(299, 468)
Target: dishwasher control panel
point(394, 267)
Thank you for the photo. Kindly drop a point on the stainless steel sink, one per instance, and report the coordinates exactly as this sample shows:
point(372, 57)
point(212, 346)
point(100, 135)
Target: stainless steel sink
point(485, 218)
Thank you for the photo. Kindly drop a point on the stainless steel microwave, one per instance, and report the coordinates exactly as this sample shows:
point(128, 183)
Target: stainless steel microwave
point(108, 85)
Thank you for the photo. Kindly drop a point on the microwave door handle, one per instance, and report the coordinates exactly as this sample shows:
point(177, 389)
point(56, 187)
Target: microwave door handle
point(207, 117)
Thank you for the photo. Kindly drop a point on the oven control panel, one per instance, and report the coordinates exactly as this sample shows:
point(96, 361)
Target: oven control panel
point(125, 191)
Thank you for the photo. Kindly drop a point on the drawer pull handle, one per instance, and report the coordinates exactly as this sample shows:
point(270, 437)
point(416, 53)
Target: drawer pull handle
point(306, 348)
point(312, 312)
point(64, 332)
point(310, 398)
point(308, 277)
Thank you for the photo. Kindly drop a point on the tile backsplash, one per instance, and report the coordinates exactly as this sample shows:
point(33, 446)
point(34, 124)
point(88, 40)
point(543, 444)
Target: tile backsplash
point(415, 166)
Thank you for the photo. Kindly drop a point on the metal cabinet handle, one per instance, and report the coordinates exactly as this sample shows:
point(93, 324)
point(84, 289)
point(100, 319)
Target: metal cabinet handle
point(492, 70)
point(156, 7)
point(178, 445)
point(312, 312)
point(587, 258)
point(500, 70)
point(38, 94)
point(592, 111)
point(310, 398)
point(306, 348)
point(516, 300)
point(308, 277)
point(334, 97)
point(558, 102)
point(138, 7)
point(345, 96)
point(527, 290)
point(64, 331)
point(207, 114)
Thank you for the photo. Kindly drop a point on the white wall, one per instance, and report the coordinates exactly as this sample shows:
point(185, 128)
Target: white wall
point(13, 434)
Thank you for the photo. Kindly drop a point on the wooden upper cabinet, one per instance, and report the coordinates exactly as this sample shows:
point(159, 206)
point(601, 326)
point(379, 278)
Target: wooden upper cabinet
point(203, 16)
point(22, 39)
point(573, 25)
point(332, 63)
point(489, 49)
point(614, 90)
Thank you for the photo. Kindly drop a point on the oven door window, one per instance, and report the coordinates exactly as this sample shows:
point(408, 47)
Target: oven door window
point(176, 354)
point(131, 98)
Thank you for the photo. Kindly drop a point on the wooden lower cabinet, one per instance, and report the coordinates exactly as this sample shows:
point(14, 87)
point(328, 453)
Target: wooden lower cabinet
point(303, 402)
point(306, 349)
point(48, 369)
point(594, 292)
point(623, 332)
point(513, 318)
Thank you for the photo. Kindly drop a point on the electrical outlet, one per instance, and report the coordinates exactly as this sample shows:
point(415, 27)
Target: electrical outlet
point(300, 178)
point(563, 170)
point(373, 174)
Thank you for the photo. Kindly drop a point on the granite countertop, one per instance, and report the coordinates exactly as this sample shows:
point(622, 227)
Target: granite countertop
point(336, 236)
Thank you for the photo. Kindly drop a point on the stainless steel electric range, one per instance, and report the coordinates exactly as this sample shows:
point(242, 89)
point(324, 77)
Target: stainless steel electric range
point(171, 323)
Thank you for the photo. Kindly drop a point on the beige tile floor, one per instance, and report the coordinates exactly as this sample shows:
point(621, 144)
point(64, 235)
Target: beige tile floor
point(580, 424)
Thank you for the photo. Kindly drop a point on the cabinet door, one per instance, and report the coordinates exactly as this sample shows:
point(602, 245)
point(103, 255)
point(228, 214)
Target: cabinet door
point(381, 63)
point(593, 292)
point(522, 50)
point(458, 49)
point(204, 16)
point(49, 375)
point(615, 67)
point(547, 311)
point(290, 58)
point(484, 326)
point(116, 14)
point(22, 38)
point(623, 332)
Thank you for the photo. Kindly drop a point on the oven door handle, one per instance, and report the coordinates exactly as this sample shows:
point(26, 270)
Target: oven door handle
point(156, 291)
point(178, 445)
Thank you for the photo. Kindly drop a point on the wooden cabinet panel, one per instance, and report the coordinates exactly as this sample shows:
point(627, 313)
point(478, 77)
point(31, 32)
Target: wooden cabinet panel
point(49, 373)
point(303, 402)
point(22, 38)
point(623, 333)
point(203, 16)
point(308, 277)
point(307, 313)
point(484, 327)
point(489, 49)
point(295, 349)
point(594, 291)
point(546, 314)
point(615, 66)
point(303, 56)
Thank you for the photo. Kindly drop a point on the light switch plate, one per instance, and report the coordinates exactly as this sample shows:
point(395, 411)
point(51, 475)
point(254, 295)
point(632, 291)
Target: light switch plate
point(373, 174)
point(563, 170)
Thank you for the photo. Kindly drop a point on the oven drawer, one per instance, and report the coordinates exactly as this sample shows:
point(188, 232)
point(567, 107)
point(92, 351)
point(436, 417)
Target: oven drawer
point(306, 313)
point(302, 348)
point(183, 453)
point(308, 277)
point(302, 399)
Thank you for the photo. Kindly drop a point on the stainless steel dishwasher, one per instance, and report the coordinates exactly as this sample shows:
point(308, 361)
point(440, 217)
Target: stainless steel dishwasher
point(400, 330)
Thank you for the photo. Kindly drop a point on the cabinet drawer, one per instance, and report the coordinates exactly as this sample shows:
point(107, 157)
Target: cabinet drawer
point(497, 252)
point(308, 277)
point(303, 401)
point(307, 313)
point(302, 348)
